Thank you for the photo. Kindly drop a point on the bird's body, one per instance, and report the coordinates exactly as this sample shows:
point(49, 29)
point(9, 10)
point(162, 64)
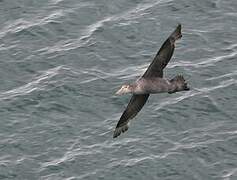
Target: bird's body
point(151, 85)
point(151, 82)
point(158, 85)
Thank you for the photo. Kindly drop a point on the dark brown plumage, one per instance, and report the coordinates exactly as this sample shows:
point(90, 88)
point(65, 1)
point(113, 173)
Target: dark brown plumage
point(155, 69)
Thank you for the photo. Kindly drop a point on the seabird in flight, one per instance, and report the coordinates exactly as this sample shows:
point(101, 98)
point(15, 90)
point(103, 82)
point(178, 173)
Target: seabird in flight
point(151, 82)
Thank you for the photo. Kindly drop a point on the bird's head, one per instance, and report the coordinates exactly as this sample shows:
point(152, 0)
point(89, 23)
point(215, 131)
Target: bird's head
point(125, 89)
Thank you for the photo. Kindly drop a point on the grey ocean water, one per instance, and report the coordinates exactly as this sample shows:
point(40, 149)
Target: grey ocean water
point(61, 63)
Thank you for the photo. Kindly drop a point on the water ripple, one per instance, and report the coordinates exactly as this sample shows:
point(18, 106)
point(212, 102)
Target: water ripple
point(38, 83)
point(23, 24)
point(61, 62)
point(88, 31)
point(203, 62)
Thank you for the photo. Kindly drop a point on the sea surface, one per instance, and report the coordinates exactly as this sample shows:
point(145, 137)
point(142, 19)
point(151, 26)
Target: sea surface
point(61, 62)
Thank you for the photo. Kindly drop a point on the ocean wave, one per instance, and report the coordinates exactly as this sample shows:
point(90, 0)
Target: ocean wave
point(60, 120)
point(204, 62)
point(21, 24)
point(231, 74)
point(38, 83)
point(229, 173)
point(70, 44)
point(88, 31)
point(56, 1)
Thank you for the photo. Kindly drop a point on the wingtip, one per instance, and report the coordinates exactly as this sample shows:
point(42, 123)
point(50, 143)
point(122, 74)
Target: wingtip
point(179, 26)
point(177, 34)
point(119, 130)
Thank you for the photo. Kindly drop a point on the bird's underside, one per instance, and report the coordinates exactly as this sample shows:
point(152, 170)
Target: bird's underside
point(156, 85)
point(155, 70)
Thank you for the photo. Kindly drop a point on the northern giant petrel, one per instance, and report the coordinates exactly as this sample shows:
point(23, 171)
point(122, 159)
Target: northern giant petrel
point(152, 81)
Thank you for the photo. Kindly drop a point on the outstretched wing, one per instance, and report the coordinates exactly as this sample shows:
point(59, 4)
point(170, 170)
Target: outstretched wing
point(155, 69)
point(164, 55)
point(134, 106)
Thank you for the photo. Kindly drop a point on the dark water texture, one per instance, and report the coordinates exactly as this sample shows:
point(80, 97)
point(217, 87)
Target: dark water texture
point(61, 63)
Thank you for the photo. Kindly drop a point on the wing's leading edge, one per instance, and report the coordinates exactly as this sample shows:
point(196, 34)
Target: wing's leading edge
point(134, 106)
point(164, 55)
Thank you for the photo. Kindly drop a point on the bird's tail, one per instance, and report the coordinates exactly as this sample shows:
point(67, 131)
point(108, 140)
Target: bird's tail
point(179, 84)
point(178, 78)
point(177, 33)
